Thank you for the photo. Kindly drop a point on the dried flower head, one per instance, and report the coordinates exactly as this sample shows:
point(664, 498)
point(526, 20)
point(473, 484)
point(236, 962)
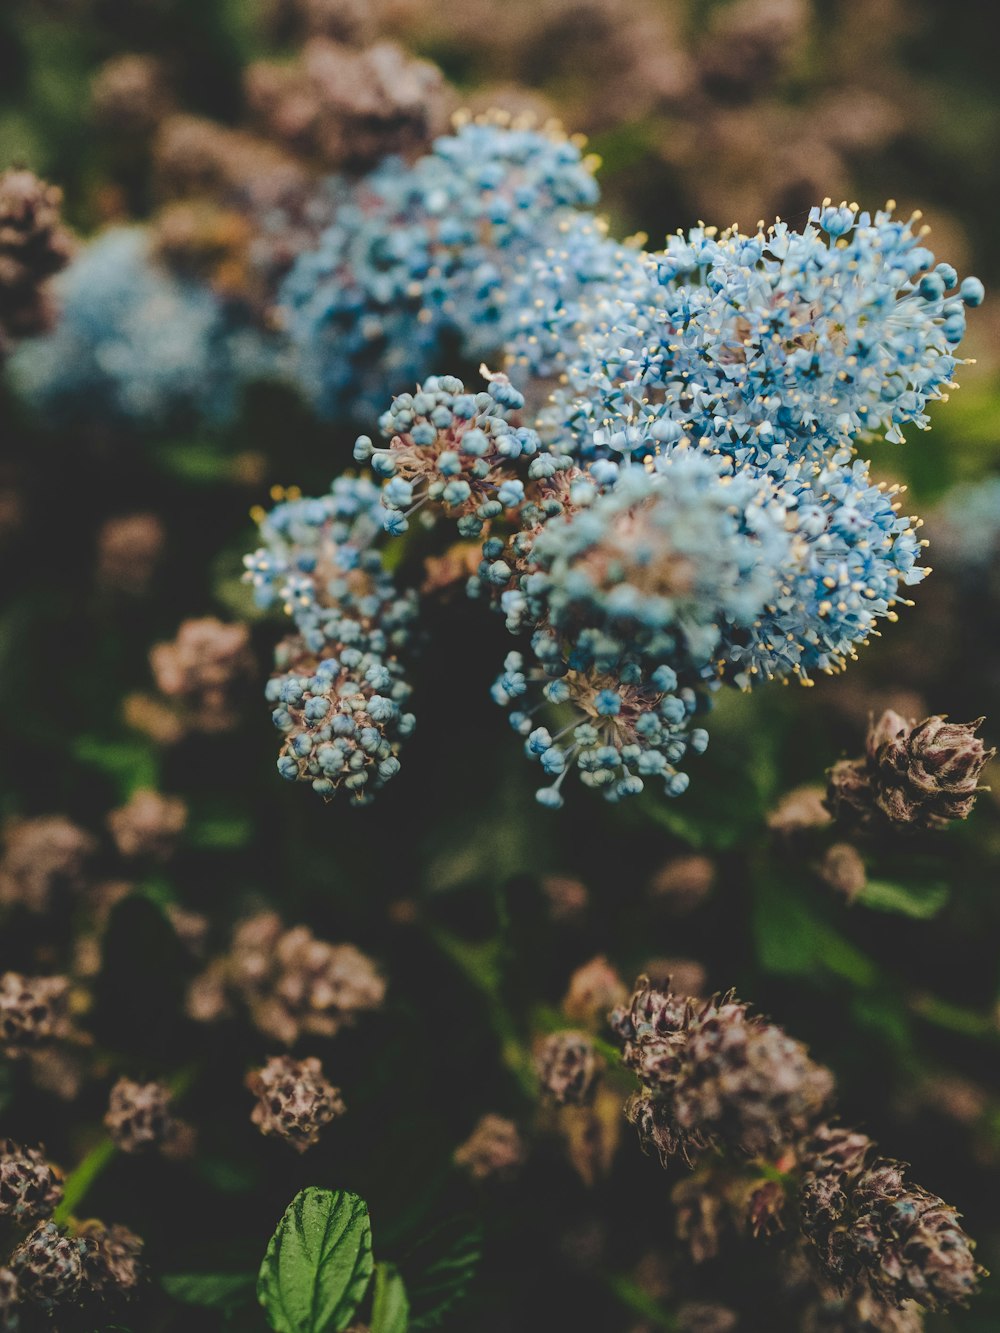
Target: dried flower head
point(799, 811)
point(294, 1100)
point(683, 883)
point(203, 669)
point(10, 1300)
point(494, 1149)
point(715, 1075)
point(128, 550)
point(44, 859)
point(148, 825)
point(346, 107)
point(842, 868)
point(129, 94)
point(49, 1266)
point(30, 1188)
point(920, 775)
point(868, 1226)
point(33, 1010)
point(111, 1258)
point(568, 1068)
point(33, 246)
point(594, 990)
point(291, 982)
point(140, 1116)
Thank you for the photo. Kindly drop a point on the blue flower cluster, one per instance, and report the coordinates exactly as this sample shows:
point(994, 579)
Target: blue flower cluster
point(420, 255)
point(139, 345)
point(781, 344)
point(339, 690)
point(687, 511)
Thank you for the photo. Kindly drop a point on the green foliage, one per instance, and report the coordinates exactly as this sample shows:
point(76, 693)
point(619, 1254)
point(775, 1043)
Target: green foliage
point(443, 1265)
point(213, 1291)
point(318, 1263)
point(390, 1307)
point(920, 901)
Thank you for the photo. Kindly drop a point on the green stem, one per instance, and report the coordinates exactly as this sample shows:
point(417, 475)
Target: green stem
point(632, 1295)
point(78, 1182)
point(478, 964)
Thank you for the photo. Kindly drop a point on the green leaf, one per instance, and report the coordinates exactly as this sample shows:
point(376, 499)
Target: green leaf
point(792, 940)
point(445, 1262)
point(318, 1263)
point(215, 1291)
point(390, 1309)
point(222, 834)
point(921, 901)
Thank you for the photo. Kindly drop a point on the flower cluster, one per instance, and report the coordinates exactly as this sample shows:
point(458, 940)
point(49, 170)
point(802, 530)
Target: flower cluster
point(291, 983)
point(916, 775)
point(339, 688)
point(49, 1268)
point(713, 1075)
point(33, 246)
point(294, 1100)
point(727, 1090)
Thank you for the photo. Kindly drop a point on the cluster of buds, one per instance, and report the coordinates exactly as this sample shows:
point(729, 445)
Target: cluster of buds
point(294, 1100)
point(148, 825)
point(494, 1149)
point(714, 1076)
point(34, 1011)
point(44, 861)
point(912, 775)
point(33, 246)
point(202, 674)
point(30, 1189)
point(291, 983)
point(869, 1226)
point(52, 1269)
point(49, 1268)
point(140, 1116)
point(716, 1080)
point(568, 1068)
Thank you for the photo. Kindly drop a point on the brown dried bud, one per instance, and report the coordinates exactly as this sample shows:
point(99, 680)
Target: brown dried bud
point(140, 1116)
point(345, 107)
point(832, 1162)
point(799, 811)
point(128, 550)
point(702, 1215)
point(908, 1243)
point(714, 1074)
point(204, 668)
point(149, 824)
point(111, 1258)
point(43, 860)
point(10, 1300)
point(154, 718)
point(843, 870)
point(594, 990)
point(291, 982)
point(294, 1100)
point(29, 1187)
point(49, 1266)
point(568, 1068)
point(129, 95)
point(33, 1010)
point(683, 976)
point(914, 774)
point(494, 1149)
point(33, 246)
point(683, 883)
point(706, 1317)
point(567, 898)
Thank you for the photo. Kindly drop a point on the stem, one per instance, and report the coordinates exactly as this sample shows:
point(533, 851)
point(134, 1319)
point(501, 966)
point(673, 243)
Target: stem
point(632, 1295)
point(78, 1182)
point(478, 964)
